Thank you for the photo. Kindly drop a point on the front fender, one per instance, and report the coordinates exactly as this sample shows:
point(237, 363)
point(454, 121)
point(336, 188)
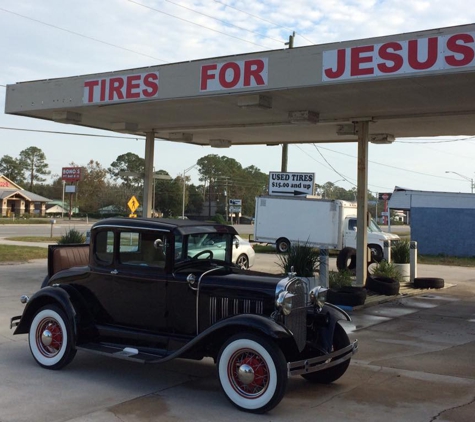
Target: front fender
point(336, 312)
point(45, 296)
point(225, 328)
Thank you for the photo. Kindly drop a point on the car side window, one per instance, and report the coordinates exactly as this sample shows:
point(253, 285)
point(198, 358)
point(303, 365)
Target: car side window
point(104, 247)
point(144, 249)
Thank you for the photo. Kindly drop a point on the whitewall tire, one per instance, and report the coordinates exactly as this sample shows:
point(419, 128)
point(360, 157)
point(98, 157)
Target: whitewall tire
point(51, 338)
point(252, 372)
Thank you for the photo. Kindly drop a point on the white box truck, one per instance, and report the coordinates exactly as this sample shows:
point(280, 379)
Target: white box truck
point(321, 223)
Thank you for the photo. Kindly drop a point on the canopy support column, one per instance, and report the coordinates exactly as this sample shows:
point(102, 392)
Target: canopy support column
point(148, 177)
point(362, 201)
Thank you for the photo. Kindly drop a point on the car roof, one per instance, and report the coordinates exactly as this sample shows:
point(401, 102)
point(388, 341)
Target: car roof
point(166, 224)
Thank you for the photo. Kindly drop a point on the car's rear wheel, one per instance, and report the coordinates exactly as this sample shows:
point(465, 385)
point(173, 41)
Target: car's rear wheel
point(51, 338)
point(252, 372)
point(243, 261)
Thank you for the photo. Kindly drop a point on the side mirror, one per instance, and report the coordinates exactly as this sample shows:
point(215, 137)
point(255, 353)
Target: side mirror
point(236, 243)
point(355, 228)
point(158, 244)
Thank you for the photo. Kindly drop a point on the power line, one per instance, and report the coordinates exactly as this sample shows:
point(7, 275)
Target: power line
point(54, 132)
point(197, 24)
point(262, 19)
point(82, 35)
point(333, 168)
point(437, 142)
point(225, 22)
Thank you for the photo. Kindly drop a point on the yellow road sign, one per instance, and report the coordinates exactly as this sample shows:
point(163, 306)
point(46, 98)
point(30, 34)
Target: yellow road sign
point(133, 204)
point(132, 215)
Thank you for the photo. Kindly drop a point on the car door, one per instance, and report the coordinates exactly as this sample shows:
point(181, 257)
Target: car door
point(130, 279)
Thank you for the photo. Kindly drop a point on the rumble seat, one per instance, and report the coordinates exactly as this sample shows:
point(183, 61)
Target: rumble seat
point(64, 258)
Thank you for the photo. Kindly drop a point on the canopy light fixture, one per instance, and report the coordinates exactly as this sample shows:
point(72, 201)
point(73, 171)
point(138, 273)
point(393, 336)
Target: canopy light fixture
point(67, 117)
point(347, 129)
point(220, 143)
point(255, 101)
point(124, 127)
point(180, 136)
point(381, 138)
point(303, 117)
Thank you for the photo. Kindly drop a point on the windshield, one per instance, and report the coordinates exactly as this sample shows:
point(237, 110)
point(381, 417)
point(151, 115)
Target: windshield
point(373, 226)
point(203, 246)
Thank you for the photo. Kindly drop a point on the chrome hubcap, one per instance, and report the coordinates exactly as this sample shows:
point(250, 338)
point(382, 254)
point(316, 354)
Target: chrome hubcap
point(47, 338)
point(246, 374)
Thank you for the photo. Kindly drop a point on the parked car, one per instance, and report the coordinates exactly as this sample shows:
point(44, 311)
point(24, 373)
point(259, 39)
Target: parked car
point(151, 290)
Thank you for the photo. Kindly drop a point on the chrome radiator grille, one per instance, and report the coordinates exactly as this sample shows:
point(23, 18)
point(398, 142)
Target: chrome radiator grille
point(296, 322)
point(220, 308)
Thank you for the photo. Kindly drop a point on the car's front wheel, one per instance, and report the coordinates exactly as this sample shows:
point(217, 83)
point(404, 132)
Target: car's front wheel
point(51, 338)
point(252, 372)
point(242, 261)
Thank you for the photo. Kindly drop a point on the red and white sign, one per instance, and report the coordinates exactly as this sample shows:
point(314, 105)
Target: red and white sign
point(234, 74)
point(400, 57)
point(138, 86)
point(71, 174)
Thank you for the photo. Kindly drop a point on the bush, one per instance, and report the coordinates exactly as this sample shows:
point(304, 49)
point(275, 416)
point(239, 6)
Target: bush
point(304, 260)
point(71, 236)
point(386, 269)
point(339, 279)
point(218, 218)
point(401, 251)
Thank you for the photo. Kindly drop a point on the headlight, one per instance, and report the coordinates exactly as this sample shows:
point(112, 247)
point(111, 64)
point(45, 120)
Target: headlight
point(284, 302)
point(318, 296)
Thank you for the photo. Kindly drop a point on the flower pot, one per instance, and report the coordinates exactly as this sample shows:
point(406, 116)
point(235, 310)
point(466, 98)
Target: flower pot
point(404, 270)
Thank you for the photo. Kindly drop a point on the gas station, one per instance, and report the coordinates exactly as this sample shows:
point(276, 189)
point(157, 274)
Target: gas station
point(366, 91)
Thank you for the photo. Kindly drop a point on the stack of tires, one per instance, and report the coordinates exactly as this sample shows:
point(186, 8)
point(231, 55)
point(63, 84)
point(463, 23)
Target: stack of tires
point(383, 285)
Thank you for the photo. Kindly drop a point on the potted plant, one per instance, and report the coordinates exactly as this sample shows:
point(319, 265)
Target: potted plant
point(400, 254)
point(303, 260)
point(342, 292)
point(384, 279)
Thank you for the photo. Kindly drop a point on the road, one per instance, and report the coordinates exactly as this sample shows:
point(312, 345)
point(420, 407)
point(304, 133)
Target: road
point(415, 363)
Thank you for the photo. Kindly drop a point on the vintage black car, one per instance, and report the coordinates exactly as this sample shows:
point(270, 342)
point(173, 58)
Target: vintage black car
point(151, 290)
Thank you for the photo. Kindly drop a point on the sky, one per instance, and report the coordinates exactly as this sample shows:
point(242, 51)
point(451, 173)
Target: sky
point(58, 38)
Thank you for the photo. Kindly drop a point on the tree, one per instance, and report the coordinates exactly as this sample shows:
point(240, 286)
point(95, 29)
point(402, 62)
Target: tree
point(12, 168)
point(93, 187)
point(34, 162)
point(129, 162)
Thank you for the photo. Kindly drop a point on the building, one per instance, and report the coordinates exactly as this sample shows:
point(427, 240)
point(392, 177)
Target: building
point(17, 201)
point(441, 222)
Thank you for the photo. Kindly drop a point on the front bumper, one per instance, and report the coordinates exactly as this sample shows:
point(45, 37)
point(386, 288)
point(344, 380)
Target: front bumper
point(14, 321)
point(320, 363)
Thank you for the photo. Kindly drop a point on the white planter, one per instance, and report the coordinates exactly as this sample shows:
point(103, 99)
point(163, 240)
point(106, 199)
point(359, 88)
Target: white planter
point(404, 270)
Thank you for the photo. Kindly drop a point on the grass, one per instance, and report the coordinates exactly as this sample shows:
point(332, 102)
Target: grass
point(42, 239)
point(454, 261)
point(24, 221)
point(10, 253)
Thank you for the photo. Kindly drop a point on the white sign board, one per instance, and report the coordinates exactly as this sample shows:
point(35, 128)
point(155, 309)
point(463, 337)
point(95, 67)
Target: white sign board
point(291, 184)
point(235, 205)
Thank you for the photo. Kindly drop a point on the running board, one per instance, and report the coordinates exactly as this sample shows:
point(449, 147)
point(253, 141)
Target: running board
point(120, 352)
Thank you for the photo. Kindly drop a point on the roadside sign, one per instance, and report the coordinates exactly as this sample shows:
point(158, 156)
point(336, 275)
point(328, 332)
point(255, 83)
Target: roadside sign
point(235, 205)
point(132, 215)
point(291, 184)
point(384, 196)
point(133, 204)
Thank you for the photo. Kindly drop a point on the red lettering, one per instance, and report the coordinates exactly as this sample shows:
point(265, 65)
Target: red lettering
point(387, 52)
point(115, 89)
point(413, 59)
point(90, 85)
point(103, 90)
point(466, 51)
point(253, 69)
point(206, 76)
point(357, 60)
point(340, 66)
point(236, 70)
point(151, 82)
point(133, 83)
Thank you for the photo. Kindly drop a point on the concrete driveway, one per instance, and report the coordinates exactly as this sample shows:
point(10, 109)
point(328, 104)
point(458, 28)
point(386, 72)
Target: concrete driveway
point(416, 363)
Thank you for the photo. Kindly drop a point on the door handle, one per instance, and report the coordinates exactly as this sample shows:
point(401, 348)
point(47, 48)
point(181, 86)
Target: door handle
point(114, 272)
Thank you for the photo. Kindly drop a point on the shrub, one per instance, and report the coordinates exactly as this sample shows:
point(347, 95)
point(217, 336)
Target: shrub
point(71, 236)
point(339, 279)
point(401, 251)
point(219, 219)
point(304, 259)
point(386, 269)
